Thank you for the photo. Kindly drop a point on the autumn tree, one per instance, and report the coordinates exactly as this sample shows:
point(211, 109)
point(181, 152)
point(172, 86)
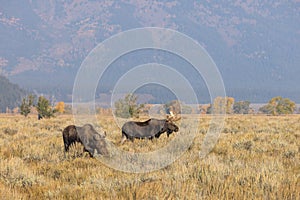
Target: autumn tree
point(128, 107)
point(222, 104)
point(278, 106)
point(241, 107)
point(44, 108)
point(26, 105)
point(60, 107)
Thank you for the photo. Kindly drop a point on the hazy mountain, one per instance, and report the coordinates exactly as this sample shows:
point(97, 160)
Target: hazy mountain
point(255, 44)
point(10, 95)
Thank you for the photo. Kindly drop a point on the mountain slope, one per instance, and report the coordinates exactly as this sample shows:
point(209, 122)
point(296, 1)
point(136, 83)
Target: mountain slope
point(255, 44)
point(10, 94)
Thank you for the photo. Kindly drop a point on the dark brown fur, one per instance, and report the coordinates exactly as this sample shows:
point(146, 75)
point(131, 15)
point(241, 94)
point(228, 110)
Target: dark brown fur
point(147, 129)
point(87, 136)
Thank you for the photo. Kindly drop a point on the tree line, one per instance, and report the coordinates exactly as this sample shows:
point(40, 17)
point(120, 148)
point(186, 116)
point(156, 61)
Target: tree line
point(276, 106)
point(42, 106)
point(11, 101)
point(128, 107)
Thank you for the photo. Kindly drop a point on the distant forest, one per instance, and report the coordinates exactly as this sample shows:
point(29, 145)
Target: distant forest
point(10, 94)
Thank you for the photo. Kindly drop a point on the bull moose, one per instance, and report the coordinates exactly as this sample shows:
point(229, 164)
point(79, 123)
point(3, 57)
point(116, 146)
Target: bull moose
point(147, 129)
point(87, 136)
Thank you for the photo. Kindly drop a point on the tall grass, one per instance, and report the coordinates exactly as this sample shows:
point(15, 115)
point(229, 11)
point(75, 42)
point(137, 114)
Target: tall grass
point(256, 157)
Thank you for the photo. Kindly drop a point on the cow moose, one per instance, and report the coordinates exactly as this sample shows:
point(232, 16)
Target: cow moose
point(148, 129)
point(87, 136)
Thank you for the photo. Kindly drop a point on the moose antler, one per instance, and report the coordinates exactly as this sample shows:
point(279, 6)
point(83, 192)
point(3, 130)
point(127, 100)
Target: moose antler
point(172, 117)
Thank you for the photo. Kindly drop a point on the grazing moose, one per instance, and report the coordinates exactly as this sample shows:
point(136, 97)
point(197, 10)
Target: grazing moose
point(87, 136)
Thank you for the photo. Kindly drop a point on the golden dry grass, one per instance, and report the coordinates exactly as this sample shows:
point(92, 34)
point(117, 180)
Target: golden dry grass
point(256, 157)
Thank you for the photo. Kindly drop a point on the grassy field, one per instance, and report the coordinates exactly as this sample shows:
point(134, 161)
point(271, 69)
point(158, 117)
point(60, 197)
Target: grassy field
point(256, 157)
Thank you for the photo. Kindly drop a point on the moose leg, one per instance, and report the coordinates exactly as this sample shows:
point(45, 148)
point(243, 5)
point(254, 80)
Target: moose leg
point(66, 149)
point(123, 138)
point(131, 139)
point(65, 153)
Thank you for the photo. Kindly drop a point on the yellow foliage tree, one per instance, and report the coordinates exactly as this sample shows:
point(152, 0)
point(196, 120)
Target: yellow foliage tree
point(222, 105)
point(229, 105)
point(60, 107)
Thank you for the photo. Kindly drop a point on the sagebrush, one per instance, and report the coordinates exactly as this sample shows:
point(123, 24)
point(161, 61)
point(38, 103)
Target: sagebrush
point(256, 157)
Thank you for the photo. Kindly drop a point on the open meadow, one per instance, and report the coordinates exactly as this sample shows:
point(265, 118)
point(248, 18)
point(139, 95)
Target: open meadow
point(256, 157)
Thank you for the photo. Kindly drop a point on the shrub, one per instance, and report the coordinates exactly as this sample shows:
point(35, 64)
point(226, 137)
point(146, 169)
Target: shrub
point(44, 108)
point(128, 107)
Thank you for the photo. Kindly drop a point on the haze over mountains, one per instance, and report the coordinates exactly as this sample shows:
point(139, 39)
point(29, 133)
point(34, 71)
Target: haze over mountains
point(255, 44)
